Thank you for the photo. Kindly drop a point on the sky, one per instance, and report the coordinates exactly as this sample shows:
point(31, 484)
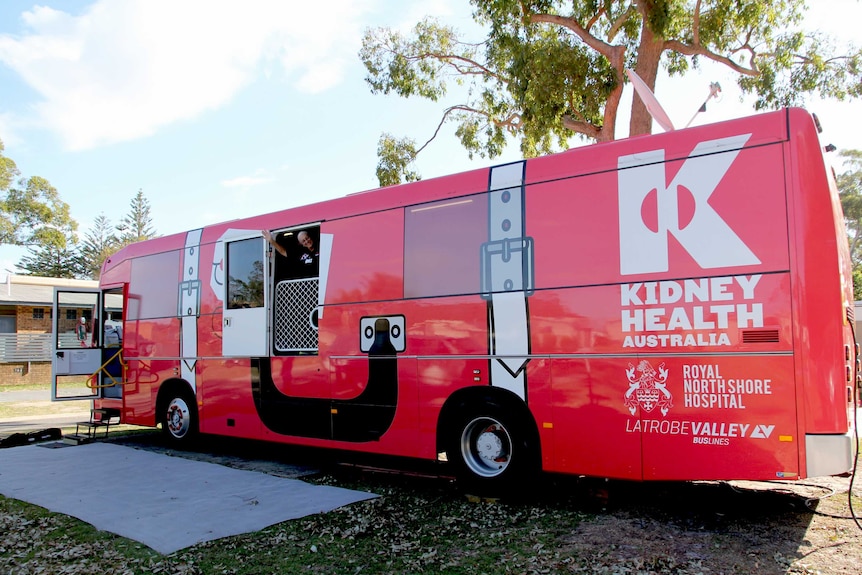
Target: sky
point(220, 109)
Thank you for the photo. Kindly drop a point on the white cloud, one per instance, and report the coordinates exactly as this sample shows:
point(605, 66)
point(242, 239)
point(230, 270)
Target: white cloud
point(7, 130)
point(124, 68)
point(246, 181)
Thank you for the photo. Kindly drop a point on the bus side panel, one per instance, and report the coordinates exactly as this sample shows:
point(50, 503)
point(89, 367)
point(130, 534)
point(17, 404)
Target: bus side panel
point(768, 128)
point(226, 404)
point(144, 339)
point(727, 418)
point(442, 332)
point(350, 377)
point(822, 264)
point(741, 314)
point(579, 228)
point(589, 425)
point(367, 260)
point(152, 332)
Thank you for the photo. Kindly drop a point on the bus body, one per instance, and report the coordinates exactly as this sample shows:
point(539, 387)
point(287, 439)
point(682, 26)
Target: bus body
point(666, 307)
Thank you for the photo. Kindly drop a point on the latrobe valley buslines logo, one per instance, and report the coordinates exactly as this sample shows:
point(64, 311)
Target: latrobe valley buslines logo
point(695, 311)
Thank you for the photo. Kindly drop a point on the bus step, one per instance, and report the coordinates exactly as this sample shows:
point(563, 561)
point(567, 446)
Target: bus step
point(77, 439)
point(100, 421)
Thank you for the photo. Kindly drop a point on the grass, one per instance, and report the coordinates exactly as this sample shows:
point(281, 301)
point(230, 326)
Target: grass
point(33, 408)
point(25, 387)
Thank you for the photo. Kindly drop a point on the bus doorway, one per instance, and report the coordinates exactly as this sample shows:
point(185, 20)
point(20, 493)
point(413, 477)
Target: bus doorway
point(296, 291)
point(87, 345)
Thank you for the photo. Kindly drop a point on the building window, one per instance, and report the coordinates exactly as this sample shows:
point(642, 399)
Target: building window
point(71, 314)
point(38, 313)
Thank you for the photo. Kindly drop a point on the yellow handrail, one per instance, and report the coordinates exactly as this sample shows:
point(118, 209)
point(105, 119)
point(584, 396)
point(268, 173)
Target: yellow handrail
point(91, 381)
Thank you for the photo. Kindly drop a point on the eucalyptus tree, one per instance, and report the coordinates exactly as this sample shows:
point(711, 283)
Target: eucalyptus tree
point(31, 211)
point(850, 187)
point(547, 70)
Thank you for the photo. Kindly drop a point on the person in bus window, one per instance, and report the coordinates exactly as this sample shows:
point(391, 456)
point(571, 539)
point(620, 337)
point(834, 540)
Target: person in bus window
point(308, 258)
point(275, 245)
point(311, 255)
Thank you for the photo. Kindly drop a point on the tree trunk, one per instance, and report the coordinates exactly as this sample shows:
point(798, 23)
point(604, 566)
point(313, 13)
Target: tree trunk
point(649, 56)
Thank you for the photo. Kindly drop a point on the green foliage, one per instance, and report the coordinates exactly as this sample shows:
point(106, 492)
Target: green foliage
point(99, 243)
point(8, 170)
point(395, 156)
point(550, 69)
point(857, 283)
point(33, 215)
point(31, 211)
point(850, 188)
point(137, 224)
point(51, 260)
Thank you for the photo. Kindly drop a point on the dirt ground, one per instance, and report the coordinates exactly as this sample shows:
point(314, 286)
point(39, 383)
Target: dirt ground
point(737, 527)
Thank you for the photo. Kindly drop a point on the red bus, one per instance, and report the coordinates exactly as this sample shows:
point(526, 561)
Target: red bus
point(666, 307)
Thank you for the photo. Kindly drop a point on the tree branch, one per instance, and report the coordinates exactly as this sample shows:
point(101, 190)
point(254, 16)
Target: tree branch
point(615, 27)
point(580, 127)
point(695, 24)
point(600, 46)
point(689, 50)
point(447, 59)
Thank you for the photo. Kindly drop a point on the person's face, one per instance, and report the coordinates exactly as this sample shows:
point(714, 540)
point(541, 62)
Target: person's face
point(305, 241)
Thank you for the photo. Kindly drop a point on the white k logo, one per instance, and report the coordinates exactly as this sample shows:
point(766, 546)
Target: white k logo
point(707, 237)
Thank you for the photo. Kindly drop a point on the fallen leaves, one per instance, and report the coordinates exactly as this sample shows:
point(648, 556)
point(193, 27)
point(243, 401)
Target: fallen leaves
point(428, 527)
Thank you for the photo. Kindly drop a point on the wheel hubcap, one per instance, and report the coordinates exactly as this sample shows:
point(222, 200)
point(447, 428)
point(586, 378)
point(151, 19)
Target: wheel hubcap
point(486, 447)
point(178, 420)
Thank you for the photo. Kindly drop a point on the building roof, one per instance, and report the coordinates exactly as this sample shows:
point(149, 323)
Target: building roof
point(34, 290)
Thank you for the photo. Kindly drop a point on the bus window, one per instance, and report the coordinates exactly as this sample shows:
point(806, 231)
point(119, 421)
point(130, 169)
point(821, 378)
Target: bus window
point(442, 242)
point(245, 274)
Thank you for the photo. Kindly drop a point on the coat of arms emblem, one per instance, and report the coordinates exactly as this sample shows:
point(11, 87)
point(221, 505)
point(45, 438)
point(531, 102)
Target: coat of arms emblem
point(649, 389)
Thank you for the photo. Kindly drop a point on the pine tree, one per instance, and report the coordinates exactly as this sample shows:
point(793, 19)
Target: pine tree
point(99, 243)
point(54, 261)
point(136, 226)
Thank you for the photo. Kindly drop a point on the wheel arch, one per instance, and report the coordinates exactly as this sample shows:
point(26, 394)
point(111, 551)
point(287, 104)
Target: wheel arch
point(171, 386)
point(468, 398)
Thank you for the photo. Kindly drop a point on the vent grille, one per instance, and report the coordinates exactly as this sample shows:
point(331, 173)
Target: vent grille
point(293, 327)
point(760, 336)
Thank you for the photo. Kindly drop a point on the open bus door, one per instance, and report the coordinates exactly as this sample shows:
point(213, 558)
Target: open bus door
point(244, 322)
point(86, 360)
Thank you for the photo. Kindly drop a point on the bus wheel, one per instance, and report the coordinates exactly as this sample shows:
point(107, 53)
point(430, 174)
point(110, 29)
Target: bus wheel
point(179, 418)
point(491, 452)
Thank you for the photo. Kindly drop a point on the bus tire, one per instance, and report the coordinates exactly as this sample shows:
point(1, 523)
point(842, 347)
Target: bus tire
point(179, 417)
point(491, 449)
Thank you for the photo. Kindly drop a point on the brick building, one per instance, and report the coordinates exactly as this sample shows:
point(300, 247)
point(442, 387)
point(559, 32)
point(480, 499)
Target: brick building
point(25, 326)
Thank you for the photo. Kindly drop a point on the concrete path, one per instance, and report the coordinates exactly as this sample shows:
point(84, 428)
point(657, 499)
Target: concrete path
point(28, 423)
point(27, 395)
point(33, 395)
